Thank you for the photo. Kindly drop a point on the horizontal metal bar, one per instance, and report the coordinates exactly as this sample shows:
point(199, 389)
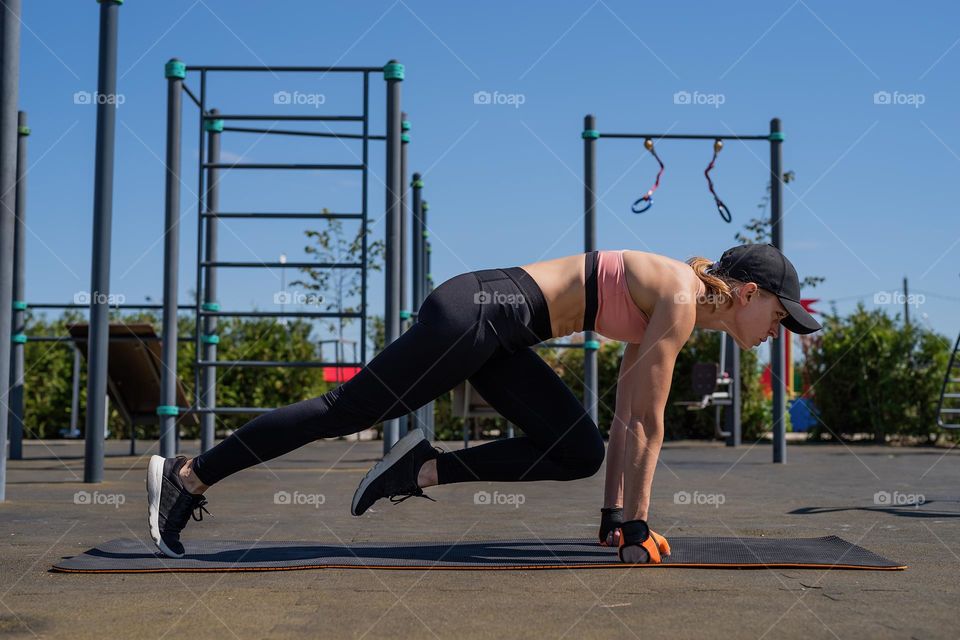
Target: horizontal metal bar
point(268, 69)
point(281, 265)
point(281, 314)
point(273, 363)
point(682, 136)
point(226, 410)
point(945, 410)
point(133, 338)
point(561, 345)
point(265, 165)
point(52, 305)
point(297, 117)
point(283, 216)
point(951, 395)
point(314, 134)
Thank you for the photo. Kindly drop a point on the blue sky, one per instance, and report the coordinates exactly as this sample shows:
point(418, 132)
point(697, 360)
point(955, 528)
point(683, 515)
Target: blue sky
point(874, 198)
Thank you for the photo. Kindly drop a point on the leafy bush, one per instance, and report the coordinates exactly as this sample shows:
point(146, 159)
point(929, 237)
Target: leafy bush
point(871, 375)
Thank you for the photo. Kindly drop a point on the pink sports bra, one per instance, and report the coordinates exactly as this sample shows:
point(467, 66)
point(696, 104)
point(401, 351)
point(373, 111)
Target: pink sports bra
point(618, 316)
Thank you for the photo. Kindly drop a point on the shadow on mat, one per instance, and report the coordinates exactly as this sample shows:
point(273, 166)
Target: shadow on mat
point(574, 552)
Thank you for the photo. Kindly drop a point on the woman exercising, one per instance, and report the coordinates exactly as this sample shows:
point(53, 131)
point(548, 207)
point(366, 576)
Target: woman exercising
point(480, 326)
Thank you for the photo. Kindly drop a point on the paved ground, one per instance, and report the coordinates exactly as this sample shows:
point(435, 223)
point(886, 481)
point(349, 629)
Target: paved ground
point(823, 490)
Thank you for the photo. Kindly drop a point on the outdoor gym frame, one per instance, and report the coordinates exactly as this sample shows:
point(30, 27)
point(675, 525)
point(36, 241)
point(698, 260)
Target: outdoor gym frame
point(212, 126)
point(590, 136)
point(13, 304)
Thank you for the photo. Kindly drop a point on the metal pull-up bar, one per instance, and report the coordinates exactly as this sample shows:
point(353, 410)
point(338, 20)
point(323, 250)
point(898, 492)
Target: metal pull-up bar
point(775, 137)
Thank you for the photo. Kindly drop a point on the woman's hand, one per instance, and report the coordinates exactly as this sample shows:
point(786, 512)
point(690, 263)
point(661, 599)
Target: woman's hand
point(638, 545)
point(611, 521)
point(611, 518)
point(662, 545)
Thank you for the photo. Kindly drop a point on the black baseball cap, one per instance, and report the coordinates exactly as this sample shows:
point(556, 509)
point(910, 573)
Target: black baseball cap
point(765, 265)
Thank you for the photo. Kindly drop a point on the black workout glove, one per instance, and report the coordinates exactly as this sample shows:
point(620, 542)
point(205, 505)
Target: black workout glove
point(637, 545)
point(611, 518)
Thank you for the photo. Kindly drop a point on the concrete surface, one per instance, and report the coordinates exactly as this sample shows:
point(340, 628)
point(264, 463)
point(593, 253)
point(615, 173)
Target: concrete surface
point(699, 489)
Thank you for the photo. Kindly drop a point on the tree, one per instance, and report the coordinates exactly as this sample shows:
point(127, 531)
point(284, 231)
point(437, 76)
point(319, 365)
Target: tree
point(338, 289)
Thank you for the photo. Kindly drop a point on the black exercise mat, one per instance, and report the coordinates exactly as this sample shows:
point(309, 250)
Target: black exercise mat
point(125, 555)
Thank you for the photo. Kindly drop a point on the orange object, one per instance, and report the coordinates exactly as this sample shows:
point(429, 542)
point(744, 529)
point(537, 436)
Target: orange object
point(662, 543)
point(650, 545)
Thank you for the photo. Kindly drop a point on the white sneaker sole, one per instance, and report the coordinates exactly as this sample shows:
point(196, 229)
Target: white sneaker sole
point(154, 485)
point(403, 446)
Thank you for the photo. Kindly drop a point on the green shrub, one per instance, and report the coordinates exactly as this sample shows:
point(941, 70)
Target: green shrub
point(869, 374)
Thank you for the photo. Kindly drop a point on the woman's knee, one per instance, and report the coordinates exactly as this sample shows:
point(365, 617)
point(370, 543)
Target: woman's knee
point(584, 455)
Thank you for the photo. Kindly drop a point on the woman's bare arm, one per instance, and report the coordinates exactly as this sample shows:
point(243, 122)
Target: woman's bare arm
point(670, 326)
point(626, 385)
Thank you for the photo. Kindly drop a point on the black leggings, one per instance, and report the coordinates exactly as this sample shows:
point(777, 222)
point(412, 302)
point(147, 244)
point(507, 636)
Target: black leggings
point(478, 326)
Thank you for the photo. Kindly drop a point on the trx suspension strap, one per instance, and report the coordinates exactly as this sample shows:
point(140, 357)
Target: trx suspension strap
point(722, 208)
point(645, 202)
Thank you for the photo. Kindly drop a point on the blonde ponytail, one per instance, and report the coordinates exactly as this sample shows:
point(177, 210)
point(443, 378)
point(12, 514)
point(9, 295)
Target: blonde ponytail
point(720, 289)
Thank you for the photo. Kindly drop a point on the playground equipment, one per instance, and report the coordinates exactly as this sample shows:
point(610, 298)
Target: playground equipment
point(9, 96)
point(718, 385)
point(421, 280)
point(948, 408)
point(97, 340)
point(133, 383)
point(591, 135)
point(644, 202)
point(207, 309)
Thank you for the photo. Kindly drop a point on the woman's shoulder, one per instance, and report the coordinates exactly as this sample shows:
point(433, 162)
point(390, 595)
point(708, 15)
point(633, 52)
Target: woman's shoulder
point(660, 274)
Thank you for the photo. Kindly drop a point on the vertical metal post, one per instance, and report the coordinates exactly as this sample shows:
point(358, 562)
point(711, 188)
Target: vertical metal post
point(19, 296)
point(99, 332)
point(906, 305)
point(364, 194)
point(9, 84)
point(777, 368)
point(425, 259)
point(404, 142)
point(426, 286)
point(590, 342)
point(393, 74)
point(210, 339)
point(75, 396)
point(417, 279)
point(406, 420)
point(416, 237)
point(175, 71)
point(732, 367)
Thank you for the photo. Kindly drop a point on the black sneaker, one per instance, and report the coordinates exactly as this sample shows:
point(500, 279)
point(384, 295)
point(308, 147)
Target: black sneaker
point(170, 505)
point(396, 474)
